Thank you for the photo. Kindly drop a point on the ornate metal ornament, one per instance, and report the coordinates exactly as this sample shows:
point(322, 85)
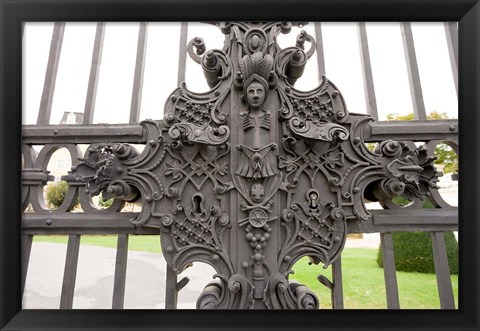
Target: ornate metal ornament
point(254, 174)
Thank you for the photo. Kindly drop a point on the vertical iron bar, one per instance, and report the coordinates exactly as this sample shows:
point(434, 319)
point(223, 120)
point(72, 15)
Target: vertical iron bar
point(319, 48)
point(139, 70)
point(45, 110)
point(337, 291)
point(233, 200)
point(171, 292)
point(390, 275)
point(70, 273)
point(182, 54)
point(94, 73)
point(26, 250)
point(413, 74)
point(442, 270)
point(451, 32)
point(120, 272)
point(369, 86)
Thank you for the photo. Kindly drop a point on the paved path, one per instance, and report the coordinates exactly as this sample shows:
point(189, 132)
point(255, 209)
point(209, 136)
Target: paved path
point(145, 285)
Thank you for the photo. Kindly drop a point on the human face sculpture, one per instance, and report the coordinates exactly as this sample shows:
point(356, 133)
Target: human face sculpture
point(255, 95)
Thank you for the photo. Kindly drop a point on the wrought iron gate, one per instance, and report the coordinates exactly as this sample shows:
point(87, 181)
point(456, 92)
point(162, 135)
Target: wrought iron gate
point(248, 177)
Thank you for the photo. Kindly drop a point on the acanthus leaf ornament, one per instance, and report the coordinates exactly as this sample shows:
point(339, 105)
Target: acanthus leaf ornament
point(197, 134)
point(254, 174)
point(322, 131)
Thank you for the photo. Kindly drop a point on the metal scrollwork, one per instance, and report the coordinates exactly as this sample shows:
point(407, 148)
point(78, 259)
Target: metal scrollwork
point(254, 174)
point(281, 294)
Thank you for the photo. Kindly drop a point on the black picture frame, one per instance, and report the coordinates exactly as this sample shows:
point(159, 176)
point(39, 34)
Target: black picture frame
point(13, 13)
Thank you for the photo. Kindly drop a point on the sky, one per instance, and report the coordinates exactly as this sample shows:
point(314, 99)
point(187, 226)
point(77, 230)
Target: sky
point(342, 61)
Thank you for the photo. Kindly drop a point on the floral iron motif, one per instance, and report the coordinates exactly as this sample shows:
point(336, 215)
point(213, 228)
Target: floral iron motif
point(298, 174)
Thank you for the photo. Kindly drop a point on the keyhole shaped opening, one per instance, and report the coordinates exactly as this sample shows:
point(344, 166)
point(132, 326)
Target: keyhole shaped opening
point(313, 200)
point(197, 201)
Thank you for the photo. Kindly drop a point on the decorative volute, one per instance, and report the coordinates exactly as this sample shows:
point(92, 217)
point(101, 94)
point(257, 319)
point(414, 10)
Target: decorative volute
point(254, 174)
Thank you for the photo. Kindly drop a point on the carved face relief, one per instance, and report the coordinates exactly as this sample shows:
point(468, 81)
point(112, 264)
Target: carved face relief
point(255, 95)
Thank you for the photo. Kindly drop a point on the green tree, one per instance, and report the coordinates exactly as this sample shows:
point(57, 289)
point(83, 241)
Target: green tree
point(446, 155)
point(413, 252)
point(105, 203)
point(56, 193)
point(396, 117)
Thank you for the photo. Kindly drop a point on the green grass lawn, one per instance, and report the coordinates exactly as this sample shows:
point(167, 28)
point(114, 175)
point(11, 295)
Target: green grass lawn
point(363, 282)
point(364, 286)
point(135, 242)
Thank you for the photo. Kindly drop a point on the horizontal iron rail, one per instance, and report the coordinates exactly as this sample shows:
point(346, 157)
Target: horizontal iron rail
point(119, 223)
point(411, 216)
point(407, 220)
point(133, 133)
point(412, 130)
point(82, 134)
point(82, 223)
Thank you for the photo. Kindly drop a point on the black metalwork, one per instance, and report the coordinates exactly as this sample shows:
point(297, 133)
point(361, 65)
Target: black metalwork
point(252, 175)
